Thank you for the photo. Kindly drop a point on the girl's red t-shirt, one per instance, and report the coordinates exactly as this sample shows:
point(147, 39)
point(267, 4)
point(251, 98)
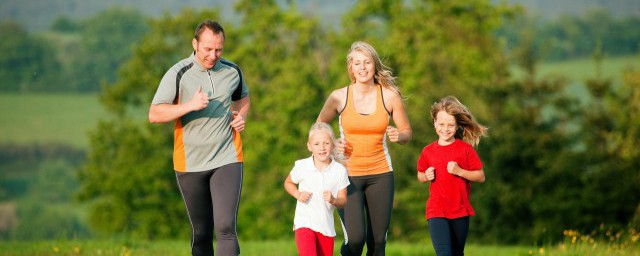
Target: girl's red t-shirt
point(449, 194)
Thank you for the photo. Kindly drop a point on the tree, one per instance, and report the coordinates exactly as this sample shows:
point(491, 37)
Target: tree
point(106, 43)
point(608, 151)
point(26, 62)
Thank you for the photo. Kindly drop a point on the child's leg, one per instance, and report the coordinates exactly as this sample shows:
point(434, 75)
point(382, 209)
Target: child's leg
point(325, 245)
point(459, 230)
point(306, 242)
point(440, 236)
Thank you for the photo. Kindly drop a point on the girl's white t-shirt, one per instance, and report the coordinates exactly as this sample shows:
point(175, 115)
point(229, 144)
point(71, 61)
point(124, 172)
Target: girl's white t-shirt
point(317, 214)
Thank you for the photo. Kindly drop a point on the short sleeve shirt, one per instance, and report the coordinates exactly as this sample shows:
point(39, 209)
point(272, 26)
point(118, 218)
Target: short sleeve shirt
point(317, 214)
point(204, 139)
point(449, 194)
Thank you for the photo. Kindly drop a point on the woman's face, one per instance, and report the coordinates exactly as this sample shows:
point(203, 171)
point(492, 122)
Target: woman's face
point(362, 68)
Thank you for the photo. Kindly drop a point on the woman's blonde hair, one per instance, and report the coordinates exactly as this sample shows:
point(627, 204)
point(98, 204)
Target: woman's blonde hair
point(383, 74)
point(324, 127)
point(469, 129)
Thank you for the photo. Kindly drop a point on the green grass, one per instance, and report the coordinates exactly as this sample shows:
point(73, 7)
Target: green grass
point(576, 71)
point(49, 118)
point(288, 247)
point(248, 248)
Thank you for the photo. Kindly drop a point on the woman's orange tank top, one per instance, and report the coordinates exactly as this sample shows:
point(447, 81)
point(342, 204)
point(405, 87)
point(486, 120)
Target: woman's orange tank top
point(366, 137)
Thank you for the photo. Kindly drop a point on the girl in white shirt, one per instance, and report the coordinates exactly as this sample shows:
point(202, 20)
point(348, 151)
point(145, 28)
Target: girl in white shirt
point(321, 188)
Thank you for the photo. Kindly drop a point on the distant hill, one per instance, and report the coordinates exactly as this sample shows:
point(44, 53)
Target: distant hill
point(551, 9)
point(37, 15)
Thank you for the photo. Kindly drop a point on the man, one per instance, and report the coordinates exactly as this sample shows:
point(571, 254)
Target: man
point(208, 99)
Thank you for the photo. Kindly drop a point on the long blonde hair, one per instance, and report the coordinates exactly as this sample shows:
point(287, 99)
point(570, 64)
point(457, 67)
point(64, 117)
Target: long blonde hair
point(469, 129)
point(383, 74)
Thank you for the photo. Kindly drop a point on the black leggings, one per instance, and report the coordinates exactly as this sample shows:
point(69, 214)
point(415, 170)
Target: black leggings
point(449, 235)
point(212, 197)
point(367, 214)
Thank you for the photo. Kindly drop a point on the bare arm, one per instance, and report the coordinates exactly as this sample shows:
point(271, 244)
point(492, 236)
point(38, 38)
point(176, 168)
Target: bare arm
point(162, 113)
point(292, 189)
point(341, 200)
point(402, 132)
point(474, 176)
point(332, 105)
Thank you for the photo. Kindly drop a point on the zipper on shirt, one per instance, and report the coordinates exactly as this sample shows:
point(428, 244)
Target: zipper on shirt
point(212, 88)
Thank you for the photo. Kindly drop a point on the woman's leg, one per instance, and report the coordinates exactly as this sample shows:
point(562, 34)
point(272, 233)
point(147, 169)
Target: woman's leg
point(352, 218)
point(379, 193)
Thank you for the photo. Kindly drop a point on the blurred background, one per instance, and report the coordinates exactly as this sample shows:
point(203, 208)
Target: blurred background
point(557, 83)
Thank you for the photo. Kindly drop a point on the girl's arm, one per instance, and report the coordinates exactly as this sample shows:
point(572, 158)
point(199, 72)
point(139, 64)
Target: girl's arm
point(292, 189)
point(339, 201)
point(475, 175)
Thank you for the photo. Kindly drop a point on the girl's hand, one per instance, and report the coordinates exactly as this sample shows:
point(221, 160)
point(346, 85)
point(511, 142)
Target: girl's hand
point(453, 168)
point(328, 197)
point(393, 134)
point(303, 196)
point(430, 174)
point(422, 177)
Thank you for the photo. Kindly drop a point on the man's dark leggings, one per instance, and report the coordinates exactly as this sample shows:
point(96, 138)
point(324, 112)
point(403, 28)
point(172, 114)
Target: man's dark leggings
point(367, 215)
point(212, 198)
point(449, 235)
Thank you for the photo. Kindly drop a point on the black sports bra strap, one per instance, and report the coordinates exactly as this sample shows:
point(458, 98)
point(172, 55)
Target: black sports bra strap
point(382, 96)
point(346, 101)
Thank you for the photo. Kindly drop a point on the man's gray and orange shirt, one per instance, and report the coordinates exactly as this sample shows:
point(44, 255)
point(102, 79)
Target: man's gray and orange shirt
point(204, 139)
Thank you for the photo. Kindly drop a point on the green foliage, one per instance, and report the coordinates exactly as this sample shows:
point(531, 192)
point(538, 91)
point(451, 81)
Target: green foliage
point(576, 36)
point(609, 151)
point(106, 43)
point(534, 159)
point(25, 61)
point(36, 185)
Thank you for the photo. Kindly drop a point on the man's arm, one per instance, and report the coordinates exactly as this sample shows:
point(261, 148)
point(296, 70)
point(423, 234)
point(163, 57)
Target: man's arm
point(162, 113)
point(240, 110)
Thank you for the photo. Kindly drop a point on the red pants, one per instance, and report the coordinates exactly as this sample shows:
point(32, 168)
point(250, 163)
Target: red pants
point(311, 243)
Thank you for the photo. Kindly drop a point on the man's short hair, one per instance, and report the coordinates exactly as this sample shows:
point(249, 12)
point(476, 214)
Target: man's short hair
point(211, 25)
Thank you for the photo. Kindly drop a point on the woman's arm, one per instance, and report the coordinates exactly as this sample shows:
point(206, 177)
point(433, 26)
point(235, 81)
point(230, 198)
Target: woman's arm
point(332, 105)
point(402, 132)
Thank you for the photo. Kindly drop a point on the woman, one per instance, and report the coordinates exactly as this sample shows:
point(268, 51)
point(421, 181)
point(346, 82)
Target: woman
point(364, 108)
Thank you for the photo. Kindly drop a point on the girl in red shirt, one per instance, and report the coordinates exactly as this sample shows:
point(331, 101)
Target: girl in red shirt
point(451, 164)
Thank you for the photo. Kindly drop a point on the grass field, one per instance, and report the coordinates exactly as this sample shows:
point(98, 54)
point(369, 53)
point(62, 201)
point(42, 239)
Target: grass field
point(574, 247)
point(263, 248)
point(49, 118)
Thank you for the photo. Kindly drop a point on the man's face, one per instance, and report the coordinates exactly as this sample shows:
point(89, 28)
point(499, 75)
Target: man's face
point(209, 48)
